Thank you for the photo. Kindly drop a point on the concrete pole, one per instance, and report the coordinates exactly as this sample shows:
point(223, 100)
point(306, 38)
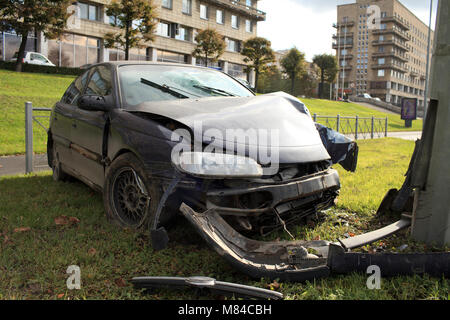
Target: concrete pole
point(431, 174)
point(425, 100)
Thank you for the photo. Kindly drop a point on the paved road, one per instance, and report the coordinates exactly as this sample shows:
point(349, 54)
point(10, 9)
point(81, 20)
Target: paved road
point(12, 165)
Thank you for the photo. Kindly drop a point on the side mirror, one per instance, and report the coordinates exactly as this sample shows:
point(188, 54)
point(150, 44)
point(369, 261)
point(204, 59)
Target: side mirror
point(93, 103)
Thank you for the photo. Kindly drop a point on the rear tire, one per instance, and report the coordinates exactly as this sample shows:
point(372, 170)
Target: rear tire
point(130, 196)
point(58, 173)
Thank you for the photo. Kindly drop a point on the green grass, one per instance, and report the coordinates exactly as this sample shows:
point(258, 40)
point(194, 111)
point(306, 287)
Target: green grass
point(42, 90)
point(333, 108)
point(33, 263)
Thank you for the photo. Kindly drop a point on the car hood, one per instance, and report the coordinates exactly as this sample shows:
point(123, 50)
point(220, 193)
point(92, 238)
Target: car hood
point(217, 117)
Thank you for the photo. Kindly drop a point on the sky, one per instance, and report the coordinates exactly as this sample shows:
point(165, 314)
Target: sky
point(307, 24)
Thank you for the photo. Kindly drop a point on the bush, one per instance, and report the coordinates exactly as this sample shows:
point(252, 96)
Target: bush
point(33, 68)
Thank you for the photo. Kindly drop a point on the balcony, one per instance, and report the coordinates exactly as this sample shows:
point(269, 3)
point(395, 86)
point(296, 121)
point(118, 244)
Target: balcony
point(389, 66)
point(390, 53)
point(344, 24)
point(414, 74)
point(390, 42)
point(396, 20)
point(236, 6)
point(346, 68)
point(343, 35)
point(397, 32)
point(346, 57)
point(342, 46)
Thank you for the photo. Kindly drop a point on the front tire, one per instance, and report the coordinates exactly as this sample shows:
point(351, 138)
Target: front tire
point(130, 196)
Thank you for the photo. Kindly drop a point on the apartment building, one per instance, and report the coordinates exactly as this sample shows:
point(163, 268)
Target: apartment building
point(388, 60)
point(179, 22)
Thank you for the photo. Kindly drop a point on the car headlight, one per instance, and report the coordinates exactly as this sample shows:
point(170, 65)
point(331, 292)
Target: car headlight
point(217, 165)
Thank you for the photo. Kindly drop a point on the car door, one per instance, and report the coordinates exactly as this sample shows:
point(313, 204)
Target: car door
point(62, 118)
point(88, 127)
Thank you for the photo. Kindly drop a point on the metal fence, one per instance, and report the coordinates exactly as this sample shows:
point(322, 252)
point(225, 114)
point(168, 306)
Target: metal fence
point(355, 127)
point(34, 161)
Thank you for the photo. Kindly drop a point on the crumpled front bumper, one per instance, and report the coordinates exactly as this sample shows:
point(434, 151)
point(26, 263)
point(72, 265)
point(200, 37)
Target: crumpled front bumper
point(286, 260)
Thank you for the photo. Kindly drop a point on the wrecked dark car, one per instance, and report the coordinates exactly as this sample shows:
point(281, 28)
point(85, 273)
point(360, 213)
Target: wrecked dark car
point(155, 139)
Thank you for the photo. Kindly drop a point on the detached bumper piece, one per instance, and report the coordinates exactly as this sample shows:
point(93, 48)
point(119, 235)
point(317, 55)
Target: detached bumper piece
point(285, 260)
point(226, 288)
point(291, 260)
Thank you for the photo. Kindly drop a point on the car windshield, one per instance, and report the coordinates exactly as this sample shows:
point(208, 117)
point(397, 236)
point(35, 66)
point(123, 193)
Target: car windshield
point(141, 83)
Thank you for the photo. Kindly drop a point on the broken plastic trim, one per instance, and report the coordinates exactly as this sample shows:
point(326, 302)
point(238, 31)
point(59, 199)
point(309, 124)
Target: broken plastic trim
point(290, 261)
point(207, 283)
point(284, 260)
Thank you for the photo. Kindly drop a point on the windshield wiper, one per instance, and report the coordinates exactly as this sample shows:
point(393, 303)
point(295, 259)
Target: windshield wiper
point(164, 88)
point(215, 90)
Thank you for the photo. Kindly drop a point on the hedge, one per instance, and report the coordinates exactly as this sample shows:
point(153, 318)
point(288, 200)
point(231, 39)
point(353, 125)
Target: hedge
point(34, 68)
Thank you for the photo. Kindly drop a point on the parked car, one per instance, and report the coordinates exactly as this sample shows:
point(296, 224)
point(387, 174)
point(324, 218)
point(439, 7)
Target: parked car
point(34, 58)
point(365, 95)
point(245, 83)
point(118, 124)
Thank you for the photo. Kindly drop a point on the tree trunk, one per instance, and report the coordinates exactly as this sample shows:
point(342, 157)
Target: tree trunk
point(322, 81)
point(256, 80)
point(292, 84)
point(21, 54)
point(127, 41)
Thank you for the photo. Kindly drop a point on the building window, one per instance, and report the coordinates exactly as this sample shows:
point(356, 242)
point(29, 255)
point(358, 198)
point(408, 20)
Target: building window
point(166, 4)
point(167, 56)
point(74, 50)
point(248, 26)
point(248, 3)
point(381, 73)
point(187, 5)
point(237, 71)
point(233, 45)
point(88, 11)
point(234, 21)
point(204, 12)
point(163, 29)
point(220, 18)
point(381, 61)
point(183, 34)
point(10, 43)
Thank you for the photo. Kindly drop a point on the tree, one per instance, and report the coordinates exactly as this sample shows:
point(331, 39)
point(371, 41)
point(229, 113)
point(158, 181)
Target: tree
point(210, 45)
point(258, 51)
point(136, 20)
point(26, 16)
point(293, 64)
point(328, 69)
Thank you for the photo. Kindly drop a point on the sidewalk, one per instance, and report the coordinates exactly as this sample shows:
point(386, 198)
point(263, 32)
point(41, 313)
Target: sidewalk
point(10, 165)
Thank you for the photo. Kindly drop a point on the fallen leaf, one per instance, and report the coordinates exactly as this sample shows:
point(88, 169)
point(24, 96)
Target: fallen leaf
point(120, 282)
point(65, 220)
point(274, 285)
point(60, 295)
point(74, 219)
point(22, 229)
point(351, 234)
point(316, 238)
point(6, 239)
point(92, 251)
